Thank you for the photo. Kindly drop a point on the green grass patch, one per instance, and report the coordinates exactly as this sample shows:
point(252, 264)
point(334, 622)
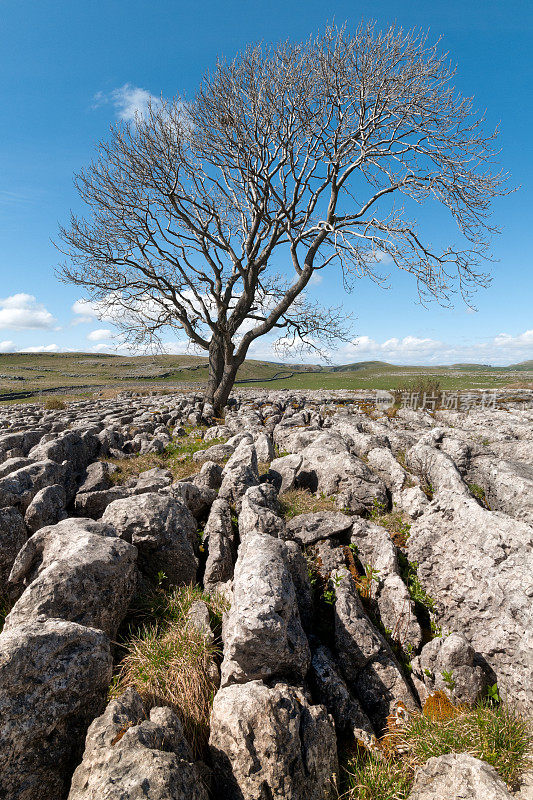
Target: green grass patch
point(496, 734)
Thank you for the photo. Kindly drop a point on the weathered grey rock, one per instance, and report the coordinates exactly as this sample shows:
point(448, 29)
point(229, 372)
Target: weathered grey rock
point(46, 508)
point(93, 504)
point(218, 453)
point(198, 616)
point(164, 532)
point(262, 632)
point(413, 501)
point(239, 474)
point(21, 440)
point(152, 480)
point(377, 551)
point(219, 538)
point(383, 463)
point(282, 472)
point(129, 756)
point(13, 535)
point(110, 440)
point(77, 570)
point(271, 744)
point(306, 529)
point(332, 691)
point(508, 486)
point(20, 487)
point(78, 448)
point(264, 447)
point(239, 438)
point(217, 432)
point(436, 467)
point(457, 776)
point(96, 478)
point(448, 665)
point(397, 613)
point(198, 499)
point(209, 477)
point(478, 565)
point(360, 443)
point(54, 676)
point(12, 464)
point(329, 467)
point(366, 660)
point(261, 512)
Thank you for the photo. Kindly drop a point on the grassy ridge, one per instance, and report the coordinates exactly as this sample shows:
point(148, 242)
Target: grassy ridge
point(25, 372)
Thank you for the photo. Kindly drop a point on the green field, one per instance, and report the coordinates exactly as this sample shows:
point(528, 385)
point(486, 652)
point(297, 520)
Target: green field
point(23, 375)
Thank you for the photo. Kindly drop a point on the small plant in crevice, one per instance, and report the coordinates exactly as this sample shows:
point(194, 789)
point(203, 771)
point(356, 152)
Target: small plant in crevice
point(366, 582)
point(408, 571)
point(493, 696)
point(5, 607)
point(323, 596)
point(478, 492)
point(447, 677)
point(393, 521)
point(428, 490)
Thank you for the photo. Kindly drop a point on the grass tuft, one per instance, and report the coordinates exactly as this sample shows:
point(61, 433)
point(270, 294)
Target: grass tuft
point(54, 404)
point(177, 458)
point(172, 663)
point(301, 501)
point(395, 522)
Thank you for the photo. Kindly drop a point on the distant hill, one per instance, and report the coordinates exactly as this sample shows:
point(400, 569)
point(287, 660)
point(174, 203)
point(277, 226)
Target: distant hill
point(357, 365)
point(522, 365)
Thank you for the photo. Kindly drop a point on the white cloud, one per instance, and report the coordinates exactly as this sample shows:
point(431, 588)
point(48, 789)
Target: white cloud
point(499, 350)
point(128, 100)
point(316, 279)
point(46, 348)
point(99, 334)
point(523, 340)
point(7, 347)
point(89, 310)
point(104, 347)
point(22, 311)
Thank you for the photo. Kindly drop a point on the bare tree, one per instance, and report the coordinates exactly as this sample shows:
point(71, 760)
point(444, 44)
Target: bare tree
point(295, 154)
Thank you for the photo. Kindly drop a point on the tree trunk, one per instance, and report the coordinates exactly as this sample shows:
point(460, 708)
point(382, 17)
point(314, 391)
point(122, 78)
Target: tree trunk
point(225, 386)
point(216, 370)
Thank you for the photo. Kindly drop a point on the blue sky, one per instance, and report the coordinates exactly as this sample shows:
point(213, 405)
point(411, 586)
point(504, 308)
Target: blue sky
point(69, 69)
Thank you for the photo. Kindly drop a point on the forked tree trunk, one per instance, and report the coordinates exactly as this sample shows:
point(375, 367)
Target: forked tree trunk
point(223, 369)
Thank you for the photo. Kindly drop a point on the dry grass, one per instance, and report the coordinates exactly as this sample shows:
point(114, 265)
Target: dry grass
point(397, 523)
point(302, 501)
point(54, 404)
point(494, 733)
point(170, 662)
point(132, 467)
point(177, 458)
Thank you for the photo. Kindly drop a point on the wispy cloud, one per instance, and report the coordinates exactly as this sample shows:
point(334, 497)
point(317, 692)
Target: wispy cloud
point(128, 101)
point(99, 334)
point(23, 312)
point(500, 350)
point(41, 348)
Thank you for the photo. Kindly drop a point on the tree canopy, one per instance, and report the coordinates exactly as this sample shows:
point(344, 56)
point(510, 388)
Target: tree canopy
point(303, 155)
